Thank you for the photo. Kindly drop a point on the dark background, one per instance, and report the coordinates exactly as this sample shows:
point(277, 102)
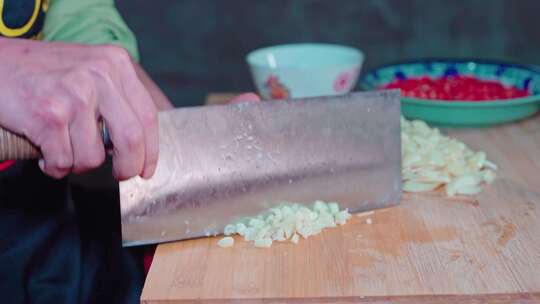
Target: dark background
point(193, 47)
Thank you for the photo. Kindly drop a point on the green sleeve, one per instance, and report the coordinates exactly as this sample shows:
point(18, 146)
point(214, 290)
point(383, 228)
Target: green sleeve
point(89, 22)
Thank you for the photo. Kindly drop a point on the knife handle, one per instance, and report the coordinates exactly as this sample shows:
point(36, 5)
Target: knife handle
point(17, 147)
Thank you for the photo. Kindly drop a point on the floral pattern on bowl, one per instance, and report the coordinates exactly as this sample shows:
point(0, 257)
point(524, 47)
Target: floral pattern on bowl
point(275, 89)
point(344, 81)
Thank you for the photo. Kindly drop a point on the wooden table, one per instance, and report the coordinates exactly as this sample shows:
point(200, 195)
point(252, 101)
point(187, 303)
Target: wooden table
point(430, 249)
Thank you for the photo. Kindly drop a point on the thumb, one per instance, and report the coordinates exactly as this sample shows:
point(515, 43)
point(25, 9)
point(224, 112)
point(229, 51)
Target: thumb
point(247, 97)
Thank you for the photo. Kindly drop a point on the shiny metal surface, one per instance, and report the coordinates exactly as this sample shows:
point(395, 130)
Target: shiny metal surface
point(221, 163)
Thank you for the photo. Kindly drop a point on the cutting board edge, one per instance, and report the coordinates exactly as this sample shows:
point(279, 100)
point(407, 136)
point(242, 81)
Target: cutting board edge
point(522, 298)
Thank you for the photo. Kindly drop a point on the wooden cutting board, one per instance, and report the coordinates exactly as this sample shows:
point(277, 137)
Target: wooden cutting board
point(430, 249)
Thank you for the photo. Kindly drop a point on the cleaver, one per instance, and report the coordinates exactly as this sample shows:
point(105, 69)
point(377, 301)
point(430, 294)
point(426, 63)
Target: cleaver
point(218, 164)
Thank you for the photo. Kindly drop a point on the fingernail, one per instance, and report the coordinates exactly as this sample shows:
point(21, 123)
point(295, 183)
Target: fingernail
point(246, 97)
point(149, 172)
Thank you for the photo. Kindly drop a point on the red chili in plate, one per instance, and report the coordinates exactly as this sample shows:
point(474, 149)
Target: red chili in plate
point(455, 88)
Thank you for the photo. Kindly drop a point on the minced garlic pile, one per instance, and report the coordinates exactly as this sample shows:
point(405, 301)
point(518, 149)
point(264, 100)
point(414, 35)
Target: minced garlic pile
point(431, 160)
point(288, 222)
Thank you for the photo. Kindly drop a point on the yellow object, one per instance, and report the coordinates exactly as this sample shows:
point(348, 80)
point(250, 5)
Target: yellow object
point(9, 32)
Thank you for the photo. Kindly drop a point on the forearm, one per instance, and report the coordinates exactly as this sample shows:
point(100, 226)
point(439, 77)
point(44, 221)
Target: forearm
point(160, 100)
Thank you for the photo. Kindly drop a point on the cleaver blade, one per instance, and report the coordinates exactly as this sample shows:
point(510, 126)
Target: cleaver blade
point(219, 164)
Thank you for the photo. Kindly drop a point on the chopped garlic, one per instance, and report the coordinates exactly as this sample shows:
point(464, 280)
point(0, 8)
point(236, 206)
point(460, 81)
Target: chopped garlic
point(431, 160)
point(342, 217)
point(241, 229)
point(255, 222)
point(410, 186)
point(279, 235)
point(250, 234)
point(226, 242)
point(230, 229)
point(320, 207)
point(334, 208)
point(469, 190)
point(295, 238)
point(289, 222)
point(263, 243)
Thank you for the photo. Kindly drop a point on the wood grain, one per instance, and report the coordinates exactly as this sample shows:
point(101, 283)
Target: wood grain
point(430, 249)
point(16, 147)
point(522, 298)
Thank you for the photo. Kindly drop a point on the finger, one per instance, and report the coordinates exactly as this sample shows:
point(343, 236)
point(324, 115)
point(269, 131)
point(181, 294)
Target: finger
point(87, 145)
point(144, 108)
point(247, 97)
point(57, 154)
point(125, 130)
point(48, 130)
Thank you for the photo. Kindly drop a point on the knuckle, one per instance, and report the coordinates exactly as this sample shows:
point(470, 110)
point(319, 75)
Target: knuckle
point(83, 105)
point(133, 138)
point(99, 67)
point(78, 85)
point(53, 115)
point(115, 53)
point(81, 101)
point(86, 72)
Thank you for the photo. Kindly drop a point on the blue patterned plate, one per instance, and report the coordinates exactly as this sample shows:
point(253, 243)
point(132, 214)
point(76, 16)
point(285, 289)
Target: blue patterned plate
point(463, 113)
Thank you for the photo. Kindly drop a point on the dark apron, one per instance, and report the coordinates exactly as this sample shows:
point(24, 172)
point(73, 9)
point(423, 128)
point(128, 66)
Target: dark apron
point(60, 241)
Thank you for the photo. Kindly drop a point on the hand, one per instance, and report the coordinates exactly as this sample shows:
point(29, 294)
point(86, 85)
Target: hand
point(54, 94)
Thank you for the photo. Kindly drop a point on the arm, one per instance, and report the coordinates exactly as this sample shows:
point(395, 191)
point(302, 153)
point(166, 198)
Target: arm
point(160, 100)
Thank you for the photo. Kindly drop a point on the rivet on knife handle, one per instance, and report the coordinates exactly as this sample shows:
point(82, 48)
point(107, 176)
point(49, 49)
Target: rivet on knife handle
point(17, 147)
